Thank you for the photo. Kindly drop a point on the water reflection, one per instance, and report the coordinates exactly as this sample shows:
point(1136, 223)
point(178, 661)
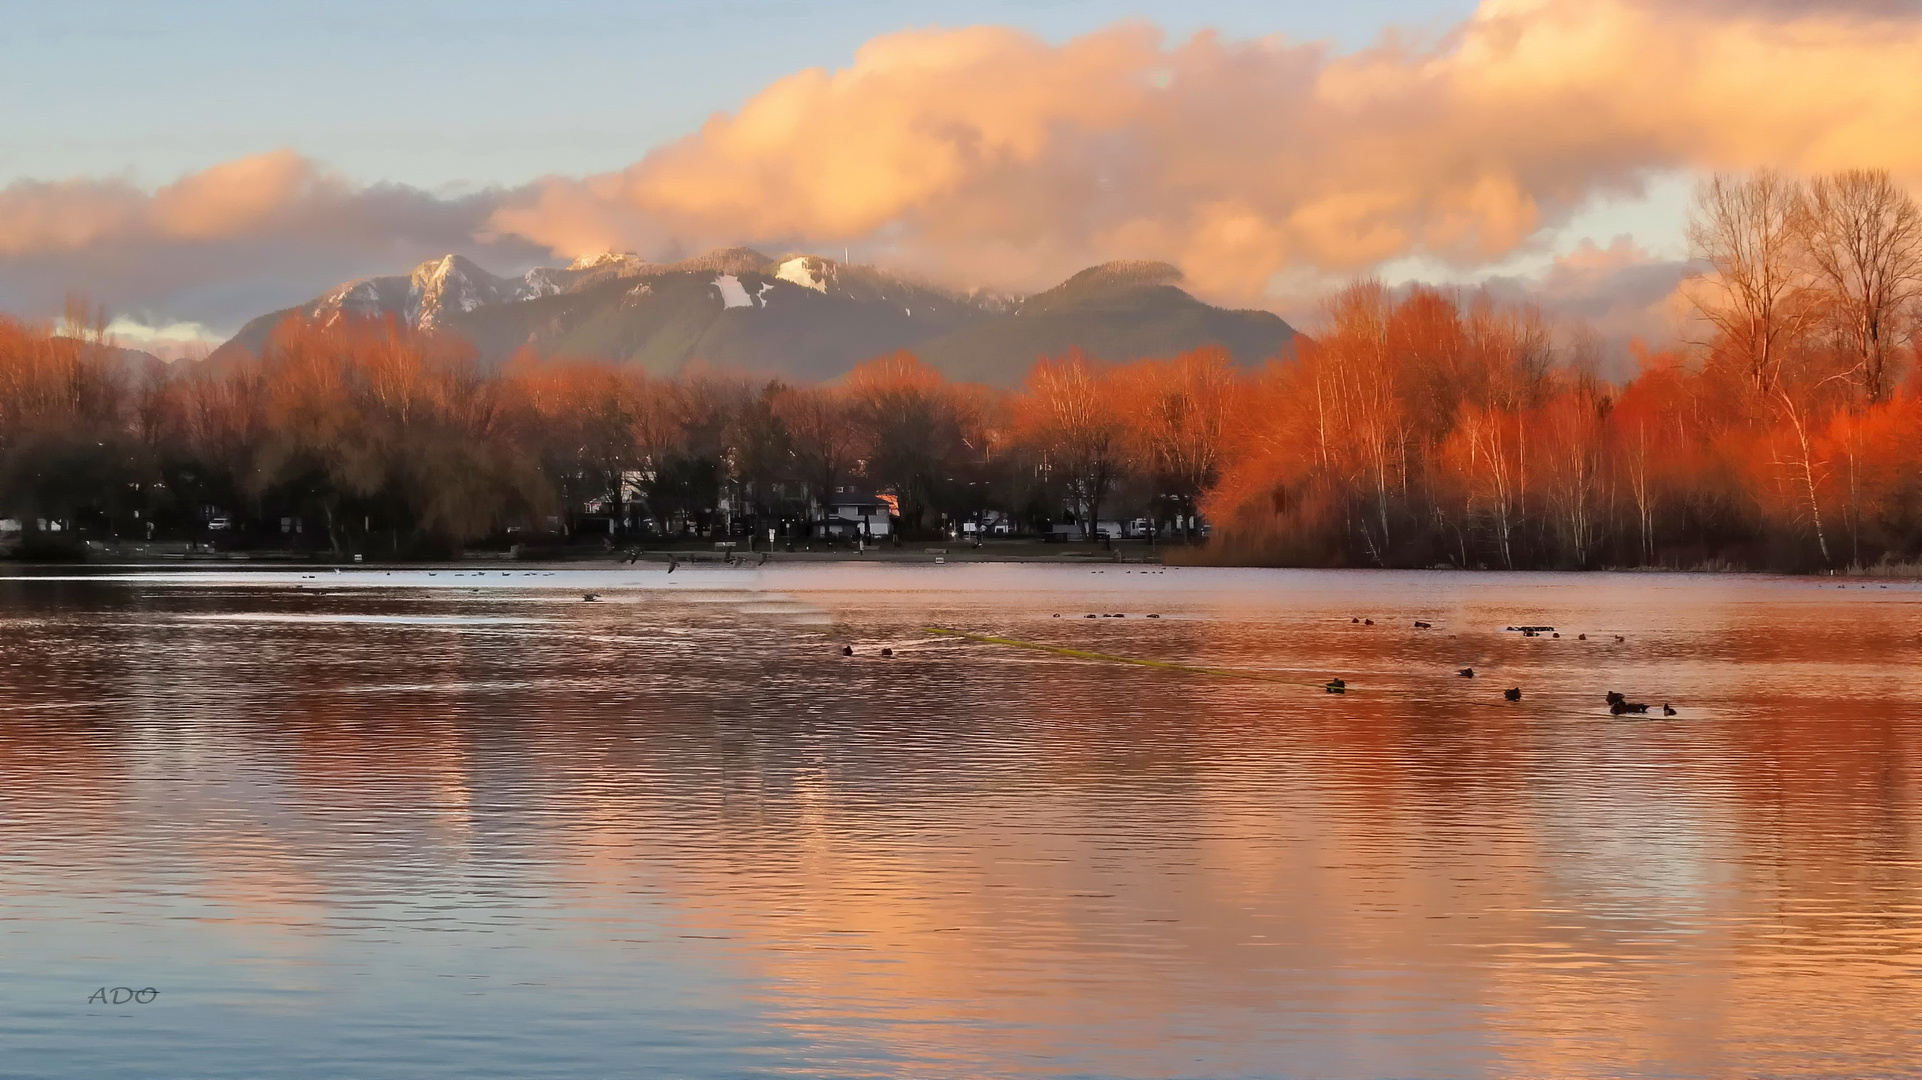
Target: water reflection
point(425, 826)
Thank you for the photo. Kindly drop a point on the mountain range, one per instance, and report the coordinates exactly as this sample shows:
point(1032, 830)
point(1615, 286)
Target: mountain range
point(802, 317)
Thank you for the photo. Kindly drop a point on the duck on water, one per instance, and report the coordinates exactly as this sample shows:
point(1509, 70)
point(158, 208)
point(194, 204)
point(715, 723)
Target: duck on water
point(1620, 705)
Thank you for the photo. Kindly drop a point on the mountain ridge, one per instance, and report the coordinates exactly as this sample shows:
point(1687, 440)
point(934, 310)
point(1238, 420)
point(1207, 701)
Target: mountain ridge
point(798, 316)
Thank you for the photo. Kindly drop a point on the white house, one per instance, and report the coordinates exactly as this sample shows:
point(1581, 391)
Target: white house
point(851, 512)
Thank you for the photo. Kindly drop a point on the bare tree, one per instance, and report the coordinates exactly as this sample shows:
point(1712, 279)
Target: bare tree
point(1862, 237)
point(1177, 414)
point(827, 441)
point(1747, 230)
point(1067, 414)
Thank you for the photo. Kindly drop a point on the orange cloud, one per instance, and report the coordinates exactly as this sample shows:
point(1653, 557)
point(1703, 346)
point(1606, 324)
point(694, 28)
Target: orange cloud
point(38, 216)
point(986, 153)
point(228, 199)
point(223, 244)
point(235, 196)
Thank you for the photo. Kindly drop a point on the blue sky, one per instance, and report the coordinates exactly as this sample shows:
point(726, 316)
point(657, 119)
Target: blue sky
point(446, 95)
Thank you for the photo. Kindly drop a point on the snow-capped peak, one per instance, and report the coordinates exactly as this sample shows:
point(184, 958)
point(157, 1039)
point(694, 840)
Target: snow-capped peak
point(452, 283)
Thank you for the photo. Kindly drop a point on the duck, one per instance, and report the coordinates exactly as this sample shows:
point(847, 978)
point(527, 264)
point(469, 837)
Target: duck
point(1466, 673)
point(1667, 709)
point(887, 652)
point(1581, 637)
point(590, 597)
point(1513, 693)
point(1368, 622)
point(1419, 625)
point(1614, 698)
point(1337, 686)
point(1619, 637)
point(847, 650)
point(1620, 707)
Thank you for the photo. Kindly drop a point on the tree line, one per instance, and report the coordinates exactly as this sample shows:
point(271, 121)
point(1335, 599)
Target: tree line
point(386, 440)
point(1416, 427)
point(1417, 430)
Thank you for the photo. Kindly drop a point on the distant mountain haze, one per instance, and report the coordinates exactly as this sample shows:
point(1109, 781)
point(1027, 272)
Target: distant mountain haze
point(801, 317)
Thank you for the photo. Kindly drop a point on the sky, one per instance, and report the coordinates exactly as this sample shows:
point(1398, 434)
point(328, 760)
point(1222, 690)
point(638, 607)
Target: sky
point(195, 163)
point(456, 95)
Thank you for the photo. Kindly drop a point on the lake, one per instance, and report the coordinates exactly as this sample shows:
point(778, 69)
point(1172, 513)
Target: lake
point(464, 823)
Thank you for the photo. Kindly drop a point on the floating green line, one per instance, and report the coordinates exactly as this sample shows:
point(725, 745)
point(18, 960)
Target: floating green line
point(1110, 658)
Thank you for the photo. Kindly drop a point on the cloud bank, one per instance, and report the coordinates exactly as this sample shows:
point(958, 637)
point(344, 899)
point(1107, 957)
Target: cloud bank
point(985, 155)
point(988, 153)
point(224, 244)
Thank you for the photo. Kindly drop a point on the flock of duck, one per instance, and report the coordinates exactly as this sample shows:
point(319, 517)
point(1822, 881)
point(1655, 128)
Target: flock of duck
point(1618, 704)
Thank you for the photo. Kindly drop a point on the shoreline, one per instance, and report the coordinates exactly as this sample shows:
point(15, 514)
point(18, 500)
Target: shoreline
point(1007, 551)
point(952, 556)
point(718, 554)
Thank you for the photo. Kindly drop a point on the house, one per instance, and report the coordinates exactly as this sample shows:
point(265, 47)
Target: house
point(1103, 530)
point(987, 523)
point(851, 512)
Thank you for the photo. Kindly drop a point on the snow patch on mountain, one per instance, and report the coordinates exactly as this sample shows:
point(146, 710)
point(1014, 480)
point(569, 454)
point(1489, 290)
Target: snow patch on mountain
point(733, 294)
point(800, 271)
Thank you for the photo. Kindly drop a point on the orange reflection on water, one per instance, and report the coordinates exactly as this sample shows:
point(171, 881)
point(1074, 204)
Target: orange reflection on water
point(967, 861)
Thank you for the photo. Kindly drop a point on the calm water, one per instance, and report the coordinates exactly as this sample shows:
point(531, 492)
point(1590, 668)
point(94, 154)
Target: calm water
point(366, 825)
